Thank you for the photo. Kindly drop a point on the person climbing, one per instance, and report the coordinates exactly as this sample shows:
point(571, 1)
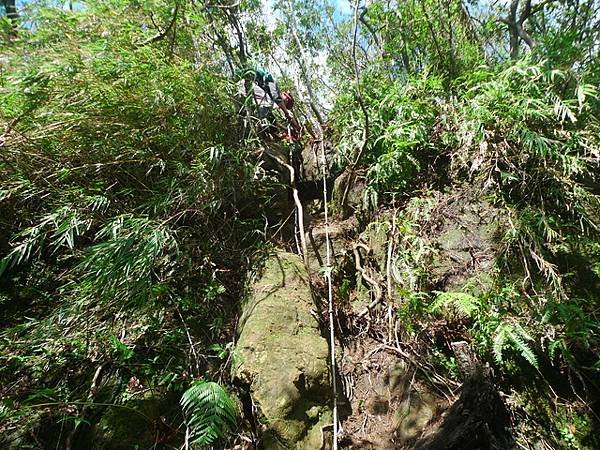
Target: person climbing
point(293, 129)
point(266, 95)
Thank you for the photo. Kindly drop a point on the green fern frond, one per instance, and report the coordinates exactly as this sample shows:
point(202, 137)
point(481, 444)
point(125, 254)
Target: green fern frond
point(463, 304)
point(555, 346)
point(514, 335)
point(518, 336)
point(499, 343)
point(210, 412)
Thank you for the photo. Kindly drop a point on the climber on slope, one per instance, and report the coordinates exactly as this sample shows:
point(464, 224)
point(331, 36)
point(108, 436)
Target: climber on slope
point(266, 95)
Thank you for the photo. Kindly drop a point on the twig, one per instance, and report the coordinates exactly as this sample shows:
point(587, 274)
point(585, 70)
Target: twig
point(303, 68)
point(365, 136)
point(189, 337)
point(358, 90)
point(162, 33)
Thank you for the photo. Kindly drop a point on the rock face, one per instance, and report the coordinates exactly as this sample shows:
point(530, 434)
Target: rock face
point(123, 428)
point(348, 193)
point(464, 237)
point(339, 234)
point(139, 422)
point(282, 357)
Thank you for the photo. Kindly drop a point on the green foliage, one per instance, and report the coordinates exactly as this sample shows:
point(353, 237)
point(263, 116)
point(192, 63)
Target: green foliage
point(446, 363)
point(128, 204)
point(512, 335)
point(130, 253)
point(211, 414)
point(530, 133)
point(460, 303)
point(574, 329)
point(56, 230)
point(401, 116)
point(123, 350)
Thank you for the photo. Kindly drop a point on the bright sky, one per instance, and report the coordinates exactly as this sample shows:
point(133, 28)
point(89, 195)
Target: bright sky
point(343, 7)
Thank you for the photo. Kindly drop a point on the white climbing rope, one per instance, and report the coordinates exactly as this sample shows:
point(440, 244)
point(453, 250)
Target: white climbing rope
point(328, 269)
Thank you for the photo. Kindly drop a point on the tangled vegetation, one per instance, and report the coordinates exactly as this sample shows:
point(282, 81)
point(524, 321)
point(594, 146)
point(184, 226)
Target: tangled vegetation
point(134, 201)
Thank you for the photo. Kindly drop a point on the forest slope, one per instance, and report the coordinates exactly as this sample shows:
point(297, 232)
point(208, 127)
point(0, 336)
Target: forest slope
point(136, 202)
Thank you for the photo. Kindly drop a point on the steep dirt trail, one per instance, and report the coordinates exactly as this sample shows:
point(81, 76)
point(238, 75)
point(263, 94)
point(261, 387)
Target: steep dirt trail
point(391, 396)
point(382, 404)
point(375, 383)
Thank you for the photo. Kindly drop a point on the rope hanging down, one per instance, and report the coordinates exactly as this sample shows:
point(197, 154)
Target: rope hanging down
point(329, 297)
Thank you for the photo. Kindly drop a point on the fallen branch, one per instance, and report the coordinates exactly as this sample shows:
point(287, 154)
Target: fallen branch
point(299, 210)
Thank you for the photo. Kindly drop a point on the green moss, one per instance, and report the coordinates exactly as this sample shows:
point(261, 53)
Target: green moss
point(130, 426)
point(284, 356)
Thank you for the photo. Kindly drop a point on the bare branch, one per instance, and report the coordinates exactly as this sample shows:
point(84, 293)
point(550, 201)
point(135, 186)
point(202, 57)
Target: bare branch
point(232, 6)
point(369, 27)
point(161, 34)
point(526, 12)
point(361, 102)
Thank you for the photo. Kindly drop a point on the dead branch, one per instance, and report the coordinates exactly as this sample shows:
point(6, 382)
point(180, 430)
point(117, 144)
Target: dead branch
point(515, 21)
point(232, 6)
point(365, 137)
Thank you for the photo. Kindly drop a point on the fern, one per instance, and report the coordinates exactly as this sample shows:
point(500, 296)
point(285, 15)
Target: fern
point(513, 335)
point(463, 304)
point(210, 412)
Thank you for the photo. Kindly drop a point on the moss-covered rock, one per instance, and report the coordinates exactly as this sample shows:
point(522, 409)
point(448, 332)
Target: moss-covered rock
point(283, 358)
point(466, 245)
point(348, 193)
point(340, 233)
point(134, 424)
point(414, 414)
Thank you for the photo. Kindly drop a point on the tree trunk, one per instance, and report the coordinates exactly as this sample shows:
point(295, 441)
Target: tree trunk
point(10, 7)
point(314, 106)
point(515, 22)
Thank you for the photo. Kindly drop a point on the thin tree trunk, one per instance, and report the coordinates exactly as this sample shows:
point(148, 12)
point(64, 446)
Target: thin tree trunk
point(303, 69)
point(10, 7)
point(515, 22)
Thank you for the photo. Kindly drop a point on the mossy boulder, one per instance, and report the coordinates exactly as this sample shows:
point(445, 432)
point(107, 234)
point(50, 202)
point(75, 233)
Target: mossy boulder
point(466, 245)
point(414, 413)
point(340, 235)
point(349, 193)
point(135, 424)
point(282, 357)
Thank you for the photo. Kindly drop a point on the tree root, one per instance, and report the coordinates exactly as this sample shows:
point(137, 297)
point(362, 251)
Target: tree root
point(374, 284)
